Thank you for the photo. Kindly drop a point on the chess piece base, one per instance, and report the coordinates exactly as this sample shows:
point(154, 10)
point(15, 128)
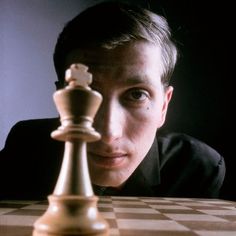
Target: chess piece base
point(71, 216)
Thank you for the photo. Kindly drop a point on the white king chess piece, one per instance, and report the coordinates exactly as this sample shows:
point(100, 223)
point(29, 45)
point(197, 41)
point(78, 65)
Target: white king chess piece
point(78, 75)
point(72, 205)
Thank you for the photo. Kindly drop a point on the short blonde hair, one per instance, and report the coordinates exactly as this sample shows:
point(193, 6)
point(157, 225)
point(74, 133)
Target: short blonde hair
point(110, 24)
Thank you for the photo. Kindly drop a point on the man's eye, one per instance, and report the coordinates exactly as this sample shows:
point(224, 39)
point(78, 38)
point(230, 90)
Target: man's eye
point(137, 95)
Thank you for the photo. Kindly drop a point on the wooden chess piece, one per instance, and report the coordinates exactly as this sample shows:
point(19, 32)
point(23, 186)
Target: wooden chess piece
point(73, 206)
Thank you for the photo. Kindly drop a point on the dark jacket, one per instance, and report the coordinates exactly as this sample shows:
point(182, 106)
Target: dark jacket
point(177, 165)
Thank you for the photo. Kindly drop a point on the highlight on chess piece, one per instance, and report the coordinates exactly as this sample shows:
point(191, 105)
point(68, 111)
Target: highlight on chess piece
point(73, 206)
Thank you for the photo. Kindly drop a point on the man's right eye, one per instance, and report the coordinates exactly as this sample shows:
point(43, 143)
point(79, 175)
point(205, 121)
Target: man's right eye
point(136, 95)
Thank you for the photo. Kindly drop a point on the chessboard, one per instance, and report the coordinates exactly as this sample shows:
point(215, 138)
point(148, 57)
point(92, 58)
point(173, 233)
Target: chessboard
point(134, 216)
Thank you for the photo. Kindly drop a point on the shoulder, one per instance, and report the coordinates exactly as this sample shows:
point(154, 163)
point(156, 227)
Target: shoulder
point(31, 130)
point(35, 124)
point(179, 146)
point(30, 151)
point(189, 167)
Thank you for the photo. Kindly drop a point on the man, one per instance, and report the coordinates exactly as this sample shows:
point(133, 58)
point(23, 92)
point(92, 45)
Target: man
point(131, 56)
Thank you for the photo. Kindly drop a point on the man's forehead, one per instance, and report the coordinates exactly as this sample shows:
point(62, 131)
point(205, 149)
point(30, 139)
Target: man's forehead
point(137, 61)
point(97, 58)
point(130, 53)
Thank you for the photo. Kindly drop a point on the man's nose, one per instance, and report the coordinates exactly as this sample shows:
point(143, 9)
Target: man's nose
point(109, 120)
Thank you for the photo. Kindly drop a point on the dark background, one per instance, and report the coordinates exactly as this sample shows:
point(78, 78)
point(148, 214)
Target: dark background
point(203, 103)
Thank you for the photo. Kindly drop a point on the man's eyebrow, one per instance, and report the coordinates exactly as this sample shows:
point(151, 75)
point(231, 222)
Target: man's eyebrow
point(130, 80)
point(138, 79)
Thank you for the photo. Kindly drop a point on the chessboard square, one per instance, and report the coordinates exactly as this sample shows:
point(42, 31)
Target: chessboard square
point(229, 207)
point(29, 212)
point(194, 217)
point(206, 207)
point(133, 232)
point(210, 226)
point(149, 200)
point(170, 207)
point(18, 220)
point(18, 202)
point(43, 202)
point(136, 210)
point(123, 198)
point(112, 223)
point(108, 215)
point(218, 202)
point(176, 211)
point(16, 230)
point(105, 209)
point(195, 204)
point(129, 203)
point(114, 232)
point(104, 200)
point(6, 210)
point(141, 216)
point(215, 233)
point(105, 205)
point(231, 218)
point(131, 206)
point(219, 212)
point(174, 199)
point(11, 205)
point(143, 224)
point(36, 207)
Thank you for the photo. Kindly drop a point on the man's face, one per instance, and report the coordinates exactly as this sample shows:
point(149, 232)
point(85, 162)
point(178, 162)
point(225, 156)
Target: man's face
point(134, 106)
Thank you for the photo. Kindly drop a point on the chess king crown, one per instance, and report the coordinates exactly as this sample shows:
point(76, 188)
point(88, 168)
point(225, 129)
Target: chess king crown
point(77, 105)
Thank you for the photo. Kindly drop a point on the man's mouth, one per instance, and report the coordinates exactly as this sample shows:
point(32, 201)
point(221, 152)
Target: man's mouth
point(107, 160)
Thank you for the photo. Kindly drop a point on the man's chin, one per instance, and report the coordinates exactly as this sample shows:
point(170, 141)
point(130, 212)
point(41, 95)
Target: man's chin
point(108, 179)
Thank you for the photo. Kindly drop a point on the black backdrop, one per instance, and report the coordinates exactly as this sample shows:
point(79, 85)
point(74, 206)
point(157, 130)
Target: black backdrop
point(203, 103)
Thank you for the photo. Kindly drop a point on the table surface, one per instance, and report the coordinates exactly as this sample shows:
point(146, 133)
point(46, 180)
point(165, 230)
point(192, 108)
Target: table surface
point(129, 216)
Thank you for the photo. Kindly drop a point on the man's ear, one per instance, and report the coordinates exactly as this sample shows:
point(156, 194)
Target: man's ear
point(167, 97)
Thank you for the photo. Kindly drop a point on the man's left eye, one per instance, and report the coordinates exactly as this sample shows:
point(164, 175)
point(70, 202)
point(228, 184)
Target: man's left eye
point(137, 95)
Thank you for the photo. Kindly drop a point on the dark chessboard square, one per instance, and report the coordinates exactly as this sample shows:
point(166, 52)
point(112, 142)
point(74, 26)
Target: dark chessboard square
point(229, 217)
point(153, 224)
point(177, 211)
point(104, 200)
point(16, 231)
point(140, 216)
point(210, 226)
point(125, 199)
point(12, 205)
point(105, 209)
point(155, 233)
point(45, 202)
point(28, 212)
point(120, 205)
point(112, 223)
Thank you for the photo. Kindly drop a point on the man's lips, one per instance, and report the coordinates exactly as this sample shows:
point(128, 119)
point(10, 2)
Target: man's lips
point(107, 160)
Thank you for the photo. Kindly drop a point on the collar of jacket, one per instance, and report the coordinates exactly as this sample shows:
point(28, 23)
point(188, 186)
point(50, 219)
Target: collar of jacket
point(146, 177)
point(150, 166)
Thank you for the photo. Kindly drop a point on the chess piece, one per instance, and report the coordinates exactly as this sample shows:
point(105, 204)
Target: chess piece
point(73, 206)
